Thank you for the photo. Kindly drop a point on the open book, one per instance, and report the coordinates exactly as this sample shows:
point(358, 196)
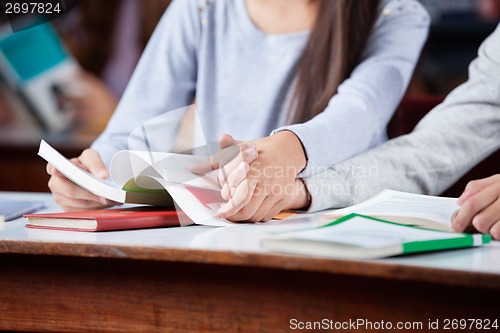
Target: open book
point(162, 179)
point(406, 208)
point(364, 237)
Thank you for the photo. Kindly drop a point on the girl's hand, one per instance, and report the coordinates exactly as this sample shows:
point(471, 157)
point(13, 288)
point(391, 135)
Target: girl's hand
point(72, 197)
point(480, 207)
point(226, 159)
point(269, 184)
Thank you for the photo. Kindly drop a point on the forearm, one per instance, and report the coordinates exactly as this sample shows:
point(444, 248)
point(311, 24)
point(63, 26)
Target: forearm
point(357, 115)
point(448, 142)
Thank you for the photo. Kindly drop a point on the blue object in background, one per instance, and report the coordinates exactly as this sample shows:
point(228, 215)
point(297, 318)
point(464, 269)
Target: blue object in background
point(36, 65)
point(34, 51)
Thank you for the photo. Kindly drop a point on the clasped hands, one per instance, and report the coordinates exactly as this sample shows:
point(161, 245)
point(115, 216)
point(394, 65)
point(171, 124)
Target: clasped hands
point(261, 180)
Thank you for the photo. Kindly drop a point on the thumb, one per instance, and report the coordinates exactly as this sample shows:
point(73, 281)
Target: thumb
point(229, 150)
point(92, 162)
point(226, 140)
point(216, 160)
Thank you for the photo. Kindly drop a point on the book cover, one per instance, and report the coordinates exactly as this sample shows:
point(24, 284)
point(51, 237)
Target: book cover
point(36, 65)
point(12, 209)
point(106, 219)
point(362, 237)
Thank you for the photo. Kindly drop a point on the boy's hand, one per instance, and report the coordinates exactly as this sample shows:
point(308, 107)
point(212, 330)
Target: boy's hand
point(480, 207)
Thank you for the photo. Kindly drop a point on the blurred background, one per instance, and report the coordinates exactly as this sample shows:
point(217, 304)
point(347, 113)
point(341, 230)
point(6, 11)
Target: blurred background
point(458, 28)
point(61, 81)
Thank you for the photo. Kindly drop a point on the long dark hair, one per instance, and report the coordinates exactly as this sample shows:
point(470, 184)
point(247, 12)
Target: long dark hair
point(334, 48)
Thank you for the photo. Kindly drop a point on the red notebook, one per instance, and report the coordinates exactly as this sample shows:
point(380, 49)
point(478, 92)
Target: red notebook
point(106, 219)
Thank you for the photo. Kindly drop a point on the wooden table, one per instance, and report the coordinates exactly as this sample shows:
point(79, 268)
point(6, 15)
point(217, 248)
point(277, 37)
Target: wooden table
point(202, 279)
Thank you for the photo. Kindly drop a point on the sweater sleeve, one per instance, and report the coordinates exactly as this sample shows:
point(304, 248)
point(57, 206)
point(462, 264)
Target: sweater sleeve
point(446, 144)
point(164, 80)
point(356, 117)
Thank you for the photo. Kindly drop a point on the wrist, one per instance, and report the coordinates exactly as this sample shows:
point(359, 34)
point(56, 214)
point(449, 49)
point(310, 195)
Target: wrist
point(300, 198)
point(293, 149)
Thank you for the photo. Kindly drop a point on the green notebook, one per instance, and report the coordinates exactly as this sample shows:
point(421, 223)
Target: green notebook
point(363, 237)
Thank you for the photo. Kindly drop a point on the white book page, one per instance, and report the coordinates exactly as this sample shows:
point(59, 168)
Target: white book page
point(395, 203)
point(199, 204)
point(197, 195)
point(79, 176)
point(173, 168)
point(367, 233)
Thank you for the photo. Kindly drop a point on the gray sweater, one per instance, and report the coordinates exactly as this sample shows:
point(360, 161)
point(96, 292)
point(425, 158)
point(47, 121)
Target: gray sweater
point(447, 143)
point(241, 79)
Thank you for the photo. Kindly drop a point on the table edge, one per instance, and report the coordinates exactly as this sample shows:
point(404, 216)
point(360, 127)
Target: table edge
point(360, 268)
